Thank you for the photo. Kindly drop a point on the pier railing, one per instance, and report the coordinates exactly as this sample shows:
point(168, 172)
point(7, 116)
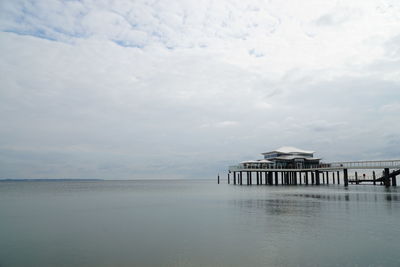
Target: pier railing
point(368, 164)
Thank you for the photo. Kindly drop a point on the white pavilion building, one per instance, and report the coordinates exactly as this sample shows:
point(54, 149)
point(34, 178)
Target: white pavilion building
point(284, 157)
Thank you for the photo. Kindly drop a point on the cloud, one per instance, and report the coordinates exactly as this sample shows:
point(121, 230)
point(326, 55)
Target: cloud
point(139, 89)
point(390, 108)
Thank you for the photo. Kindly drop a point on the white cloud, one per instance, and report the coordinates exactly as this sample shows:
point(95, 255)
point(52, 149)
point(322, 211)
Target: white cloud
point(107, 88)
point(390, 108)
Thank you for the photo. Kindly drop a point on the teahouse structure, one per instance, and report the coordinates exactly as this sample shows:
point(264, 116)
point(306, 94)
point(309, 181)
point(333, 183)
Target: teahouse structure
point(285, 157)
point(291, 166)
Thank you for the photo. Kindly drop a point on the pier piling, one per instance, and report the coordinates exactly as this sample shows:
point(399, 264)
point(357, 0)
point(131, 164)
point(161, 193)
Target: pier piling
point(386, 179)
point(345, 177)
point(374, 177)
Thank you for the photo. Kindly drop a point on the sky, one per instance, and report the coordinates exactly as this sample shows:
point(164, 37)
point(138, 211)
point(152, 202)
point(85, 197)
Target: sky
point(185, 88)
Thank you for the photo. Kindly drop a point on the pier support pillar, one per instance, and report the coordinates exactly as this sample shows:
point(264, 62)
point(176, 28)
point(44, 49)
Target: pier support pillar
point(374, 177)
point(333, 175)
point(234, 177)
point(228, 178)
point(240, 178)
point(338, 177)
point(327, 177)
point(356, 177)
point(306, 178)
point(345, 177)
point(394, 182)
point(312, 178)
point(386, 179)
point(276, 178)
point(317, 180)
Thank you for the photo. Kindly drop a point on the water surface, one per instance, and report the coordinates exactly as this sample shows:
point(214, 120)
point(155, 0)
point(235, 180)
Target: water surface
point(196, 223)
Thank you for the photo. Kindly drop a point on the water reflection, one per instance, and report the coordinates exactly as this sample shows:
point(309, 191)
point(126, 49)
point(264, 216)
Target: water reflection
point(279, 206)
point(310, 202)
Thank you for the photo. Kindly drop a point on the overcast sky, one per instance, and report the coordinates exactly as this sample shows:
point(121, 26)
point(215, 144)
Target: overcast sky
point(184, 88)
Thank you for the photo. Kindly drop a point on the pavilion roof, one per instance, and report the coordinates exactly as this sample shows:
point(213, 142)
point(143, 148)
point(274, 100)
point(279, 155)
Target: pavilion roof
point(289, 149)
point(257, 161)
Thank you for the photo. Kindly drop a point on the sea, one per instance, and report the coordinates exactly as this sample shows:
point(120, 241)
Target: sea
point(197, 223)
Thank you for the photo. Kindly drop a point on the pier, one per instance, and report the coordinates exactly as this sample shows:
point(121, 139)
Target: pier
point(292, 166)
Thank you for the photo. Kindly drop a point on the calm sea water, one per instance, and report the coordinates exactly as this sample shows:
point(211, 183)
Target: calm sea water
point(196, 223)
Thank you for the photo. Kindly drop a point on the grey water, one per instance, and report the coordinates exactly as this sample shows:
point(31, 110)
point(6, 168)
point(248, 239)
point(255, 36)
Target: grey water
point(196, 223)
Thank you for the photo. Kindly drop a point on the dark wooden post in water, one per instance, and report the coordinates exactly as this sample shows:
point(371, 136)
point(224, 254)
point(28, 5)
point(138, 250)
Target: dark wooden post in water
point(276, 178)
point(306, 178)
point(386, 179)
point(333, 175)
point(394, 182)
point(234, 177)
point(338, 178)
point(218, 178)
point(356, 177)
point(250, 178)
point(345, 177)
point(317, 181)
point(327, 177)
point(240, 178)
point(312, 178)
point(374, 177)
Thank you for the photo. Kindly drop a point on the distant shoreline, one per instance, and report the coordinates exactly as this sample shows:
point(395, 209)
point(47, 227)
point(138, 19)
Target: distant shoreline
point(47, 180)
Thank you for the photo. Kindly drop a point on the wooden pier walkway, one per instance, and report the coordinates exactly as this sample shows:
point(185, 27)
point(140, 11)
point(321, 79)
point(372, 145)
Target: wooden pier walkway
point(328, 173)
